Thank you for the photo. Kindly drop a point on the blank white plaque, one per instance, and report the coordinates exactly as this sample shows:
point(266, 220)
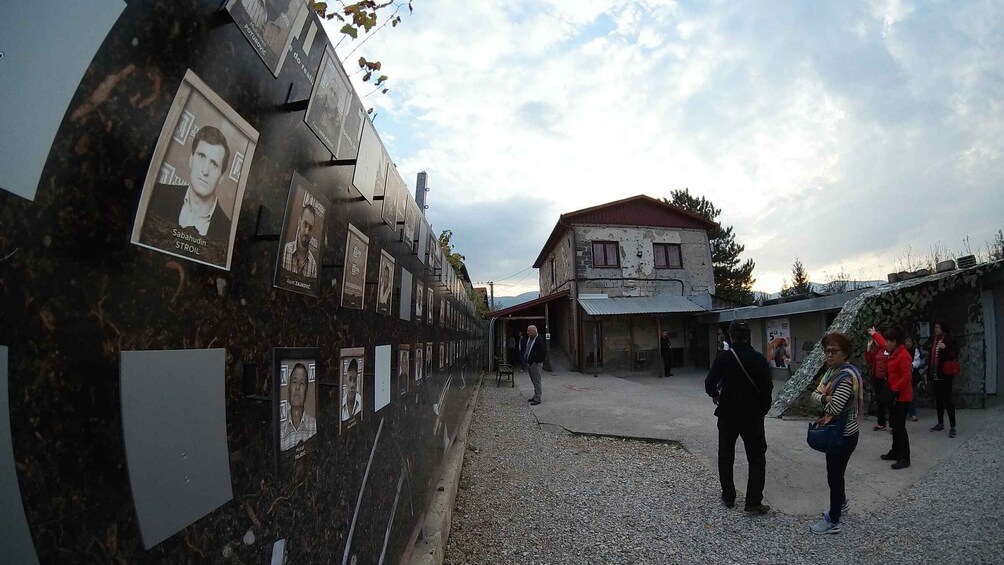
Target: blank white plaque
point(174, 420)
point(16, 545)
point(381, 382)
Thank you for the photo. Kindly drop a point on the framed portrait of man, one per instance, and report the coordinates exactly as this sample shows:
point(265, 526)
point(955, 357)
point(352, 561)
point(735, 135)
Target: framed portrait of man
point(369, 176)
point(430, 302)
point(295, 401)
point(428, 359)
point(297, 267)
point(442, 355)
point(269, 26)
point(419, 364)
point(351, 367)
point(385, 283)
point(334, 113)
point(419, 300)
point(394, 190)
point(411, 215)
point(354, 271)
point(403, 367)
point(194, 187)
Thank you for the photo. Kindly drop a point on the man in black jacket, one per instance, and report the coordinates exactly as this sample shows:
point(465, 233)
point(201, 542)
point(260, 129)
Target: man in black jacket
point(533, 355)
point(739, 383)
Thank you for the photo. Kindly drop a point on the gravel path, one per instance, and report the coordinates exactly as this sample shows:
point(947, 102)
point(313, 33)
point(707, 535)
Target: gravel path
point(529, 495)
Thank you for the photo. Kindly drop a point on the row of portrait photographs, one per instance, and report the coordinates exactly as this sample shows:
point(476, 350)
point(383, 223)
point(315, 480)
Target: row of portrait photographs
point(413, 364)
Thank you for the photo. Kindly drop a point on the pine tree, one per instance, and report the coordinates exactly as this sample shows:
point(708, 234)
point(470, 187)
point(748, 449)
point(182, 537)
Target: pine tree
point(733, 278)
point(799, 281)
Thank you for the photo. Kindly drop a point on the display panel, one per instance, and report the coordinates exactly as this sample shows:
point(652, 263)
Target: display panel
point(269, 26)
point(385, 283)
point(301, 246)
point(194, 187)
point(354, 273)
point(352, 364)
point(333, 113)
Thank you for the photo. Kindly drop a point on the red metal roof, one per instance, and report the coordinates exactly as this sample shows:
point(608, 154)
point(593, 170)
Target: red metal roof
point(638, 210)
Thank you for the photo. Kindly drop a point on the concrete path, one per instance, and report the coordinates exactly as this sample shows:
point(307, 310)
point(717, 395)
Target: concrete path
point(676, 408)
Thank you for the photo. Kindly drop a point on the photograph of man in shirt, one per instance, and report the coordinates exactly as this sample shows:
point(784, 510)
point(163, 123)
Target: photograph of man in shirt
point(351, 405)
point(302, 235)
point(299, 423)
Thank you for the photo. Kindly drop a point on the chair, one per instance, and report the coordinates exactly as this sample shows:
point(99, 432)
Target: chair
point(502, 369)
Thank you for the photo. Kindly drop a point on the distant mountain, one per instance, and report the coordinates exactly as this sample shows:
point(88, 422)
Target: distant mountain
point(834, 287)
point(507, 301)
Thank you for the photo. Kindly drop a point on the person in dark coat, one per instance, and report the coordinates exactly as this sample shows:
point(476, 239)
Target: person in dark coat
point(667, 354)
point(534, 353)
point(740, 386)
point(943, 350)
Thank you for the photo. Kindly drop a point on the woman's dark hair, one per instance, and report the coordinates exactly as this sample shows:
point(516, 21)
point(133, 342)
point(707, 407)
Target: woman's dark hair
point(944, 326)
point(896, 334)
point(838, 340)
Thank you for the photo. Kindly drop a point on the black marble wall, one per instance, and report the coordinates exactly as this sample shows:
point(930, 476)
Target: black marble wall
point(74, 293)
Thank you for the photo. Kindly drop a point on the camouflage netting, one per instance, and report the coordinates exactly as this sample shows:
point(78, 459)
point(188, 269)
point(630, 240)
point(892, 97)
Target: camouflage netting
point(888, 305)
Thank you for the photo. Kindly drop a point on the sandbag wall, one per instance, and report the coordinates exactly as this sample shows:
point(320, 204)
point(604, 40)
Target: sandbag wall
point(278, 374)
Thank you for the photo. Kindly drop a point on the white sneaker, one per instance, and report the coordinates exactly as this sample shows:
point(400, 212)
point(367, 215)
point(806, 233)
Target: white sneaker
point(823, 526)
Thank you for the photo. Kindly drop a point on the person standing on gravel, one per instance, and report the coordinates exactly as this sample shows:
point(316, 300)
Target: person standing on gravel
point(533, 357)
point(739, 384)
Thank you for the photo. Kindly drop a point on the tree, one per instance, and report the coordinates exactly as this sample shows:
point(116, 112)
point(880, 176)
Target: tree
point(799, 281)
point(455, 259)
point(733, 277)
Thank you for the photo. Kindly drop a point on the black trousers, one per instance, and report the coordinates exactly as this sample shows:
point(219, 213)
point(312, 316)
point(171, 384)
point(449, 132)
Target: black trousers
point(900, 439)
point(754, 440)
point(880, 393)
point(943, 400)
point(667, 365)
point(836, 466)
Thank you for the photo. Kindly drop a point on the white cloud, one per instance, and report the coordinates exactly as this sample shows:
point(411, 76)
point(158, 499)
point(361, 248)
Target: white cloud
point(841, 133)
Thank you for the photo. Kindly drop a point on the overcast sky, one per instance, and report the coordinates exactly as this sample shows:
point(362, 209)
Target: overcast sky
point(840, 132)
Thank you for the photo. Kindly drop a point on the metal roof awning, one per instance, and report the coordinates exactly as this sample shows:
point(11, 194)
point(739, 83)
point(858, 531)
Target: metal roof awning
point(661, 304)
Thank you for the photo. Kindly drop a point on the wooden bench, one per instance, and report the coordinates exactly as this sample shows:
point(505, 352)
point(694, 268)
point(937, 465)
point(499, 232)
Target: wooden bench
point(502, 369)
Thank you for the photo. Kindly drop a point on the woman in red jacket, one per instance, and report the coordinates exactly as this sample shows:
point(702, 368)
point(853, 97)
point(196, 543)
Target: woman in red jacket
point(943, 350)
point(900, 369)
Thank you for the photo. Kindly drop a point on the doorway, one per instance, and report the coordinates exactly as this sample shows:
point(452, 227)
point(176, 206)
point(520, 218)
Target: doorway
point(593, 337)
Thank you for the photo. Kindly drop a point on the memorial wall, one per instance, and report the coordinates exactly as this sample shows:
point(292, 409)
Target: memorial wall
point(229, 333)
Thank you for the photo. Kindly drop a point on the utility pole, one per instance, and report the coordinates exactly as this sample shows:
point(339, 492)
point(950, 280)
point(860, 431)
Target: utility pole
point(491, 287)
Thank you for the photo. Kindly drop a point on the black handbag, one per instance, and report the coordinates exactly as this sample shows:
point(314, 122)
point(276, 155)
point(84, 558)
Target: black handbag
point(828, 438)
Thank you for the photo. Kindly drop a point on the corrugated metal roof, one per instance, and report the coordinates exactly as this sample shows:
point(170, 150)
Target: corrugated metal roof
point(660, 304)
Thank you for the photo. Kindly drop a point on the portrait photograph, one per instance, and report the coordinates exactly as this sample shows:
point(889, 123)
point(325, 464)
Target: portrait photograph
point(354, 271)
point(350, 407)
point(295, 399)
point(269, 26)
point(442, 355)
point(428, 359)
point(403, 367)
point(332, 109)
point(370, 173)
point(419, 300)
point(429, 304)
point(411, 215)
point(297, 267)
point(194, 187)
point(394, 190)
point(419, 364)
point(385, 283)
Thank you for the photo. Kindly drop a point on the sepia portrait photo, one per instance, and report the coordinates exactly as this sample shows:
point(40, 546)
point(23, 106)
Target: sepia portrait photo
point(403, 367)
point(300, 247)
point(419, 300)
point(269, 26)
point(431, 301)
point(333, 113)
point(442, 355)
point(385, 283)
point(194, 186)
point(354, 271)
point(370, 173)
point(419, 364)
point(394, 190)
point(428, 359)
point(411, 215)
point(295, 399)
point(351, 405)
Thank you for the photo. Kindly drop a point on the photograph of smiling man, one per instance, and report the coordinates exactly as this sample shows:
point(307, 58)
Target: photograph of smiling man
point(301, 247)
point(194, 186)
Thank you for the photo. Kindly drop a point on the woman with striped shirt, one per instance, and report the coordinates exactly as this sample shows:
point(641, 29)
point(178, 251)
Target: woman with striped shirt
point(840, 394)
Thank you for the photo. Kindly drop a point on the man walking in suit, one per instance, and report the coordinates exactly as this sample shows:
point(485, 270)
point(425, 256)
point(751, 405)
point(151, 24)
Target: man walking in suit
point(533, 356)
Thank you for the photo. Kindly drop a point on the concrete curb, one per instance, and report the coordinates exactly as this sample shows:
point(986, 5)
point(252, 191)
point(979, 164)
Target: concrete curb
point(430, 548)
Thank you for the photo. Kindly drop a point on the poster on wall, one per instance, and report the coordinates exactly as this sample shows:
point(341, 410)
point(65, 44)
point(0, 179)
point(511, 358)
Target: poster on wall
point(269, 26)
point(778, 342)
point(419, 364)
point(431, 302)
point(369, 176)
point(406, 297)
point(308, 46)
point(419, 300)
point(410, 223)
point(301, 247)
point(428, 359)
point(403, 367)
point(381, 377)
point(385, 283)
point(333, 112)
point(195, 184)
point(394, 190)
point(354, 271)
point(295, 401)
point(442, 355)
point(350, 407)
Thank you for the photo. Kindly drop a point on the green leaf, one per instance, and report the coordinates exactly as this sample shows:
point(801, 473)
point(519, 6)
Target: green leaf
point(350, 31)
point(362, 62)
